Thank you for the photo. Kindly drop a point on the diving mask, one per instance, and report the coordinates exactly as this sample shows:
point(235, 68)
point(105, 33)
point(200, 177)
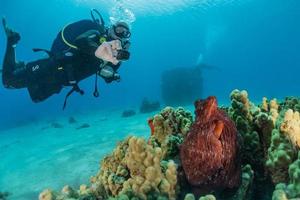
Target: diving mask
point(121, 30)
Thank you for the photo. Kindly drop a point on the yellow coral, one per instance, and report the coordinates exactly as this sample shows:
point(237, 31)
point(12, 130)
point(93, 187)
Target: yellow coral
point(135, 166)
point(291, 127)
point(274, 110)
point(83, 189)
point(274, 104)
point(242, 96)
point(68, 191)
point(162, 127)
point(47, 195)
point(241, 103)
point(264, 105)
point(143, 162)
point(171, 176)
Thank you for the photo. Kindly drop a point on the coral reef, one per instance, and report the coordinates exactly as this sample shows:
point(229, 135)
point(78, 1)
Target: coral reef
point(136, 166)
point(168, 128)
point(245, 190)
point(191, 196)
point(255, 124)
point(291, 103)
point(128, 113)
point(292, 189)
point(280, 156)
point(242, 112)
point(209, 153)
point(201, 159)
point(291, 127)
point(181, 86)
point(68, 193)
point(148, 106)
point(170, 121)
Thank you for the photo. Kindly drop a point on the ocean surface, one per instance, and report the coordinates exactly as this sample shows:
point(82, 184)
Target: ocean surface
point(251, 44)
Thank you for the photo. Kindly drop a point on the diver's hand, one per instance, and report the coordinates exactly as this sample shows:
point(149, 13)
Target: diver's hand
point(106, 51)
point(12, 36)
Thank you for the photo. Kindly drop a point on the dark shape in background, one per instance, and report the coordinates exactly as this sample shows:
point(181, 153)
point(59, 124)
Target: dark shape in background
point(128, 113)
point(149, 106)
point(4, 195)
point(182, 85)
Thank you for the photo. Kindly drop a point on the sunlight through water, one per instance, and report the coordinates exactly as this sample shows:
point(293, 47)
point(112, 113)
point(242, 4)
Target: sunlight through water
point(158, 7)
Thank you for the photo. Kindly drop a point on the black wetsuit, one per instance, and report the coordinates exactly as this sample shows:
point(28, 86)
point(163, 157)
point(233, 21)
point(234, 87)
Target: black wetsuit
point(64, 67)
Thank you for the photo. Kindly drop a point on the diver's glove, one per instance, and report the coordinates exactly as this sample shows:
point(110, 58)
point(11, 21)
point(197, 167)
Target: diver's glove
point(12, 36)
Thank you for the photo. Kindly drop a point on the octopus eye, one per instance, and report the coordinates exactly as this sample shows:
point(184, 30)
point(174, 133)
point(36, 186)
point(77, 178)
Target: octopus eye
point(218, 129)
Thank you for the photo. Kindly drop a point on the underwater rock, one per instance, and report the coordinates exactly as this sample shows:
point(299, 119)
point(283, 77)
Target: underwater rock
point(181, 86)
point(209, 154)
point(148, 107)
point(72, 120)
point(85, 125)
point(102, 119)
point(128, 113)
point(4, 195)
point(56, 125)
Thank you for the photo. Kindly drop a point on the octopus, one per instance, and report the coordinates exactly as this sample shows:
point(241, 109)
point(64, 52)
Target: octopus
point(210, 151)
point(151, 125)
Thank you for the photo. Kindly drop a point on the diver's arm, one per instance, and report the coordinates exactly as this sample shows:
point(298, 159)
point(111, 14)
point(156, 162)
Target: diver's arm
point(87, 42)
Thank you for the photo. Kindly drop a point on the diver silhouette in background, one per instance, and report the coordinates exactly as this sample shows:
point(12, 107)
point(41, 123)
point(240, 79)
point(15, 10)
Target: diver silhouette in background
point(81, 49)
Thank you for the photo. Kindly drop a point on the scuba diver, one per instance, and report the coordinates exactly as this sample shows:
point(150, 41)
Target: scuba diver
point(81, 49)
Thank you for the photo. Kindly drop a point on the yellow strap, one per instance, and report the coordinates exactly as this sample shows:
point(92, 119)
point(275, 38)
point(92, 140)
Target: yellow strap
point(102, 39)
point(64, 39)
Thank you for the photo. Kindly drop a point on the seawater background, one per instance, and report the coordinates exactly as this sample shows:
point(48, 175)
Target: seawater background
point(254, 43)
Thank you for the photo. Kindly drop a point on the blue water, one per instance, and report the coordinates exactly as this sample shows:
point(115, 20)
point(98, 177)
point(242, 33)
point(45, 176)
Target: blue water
point(254, 43)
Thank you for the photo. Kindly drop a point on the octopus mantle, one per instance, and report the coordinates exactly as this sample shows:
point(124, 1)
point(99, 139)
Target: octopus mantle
point(209, 154)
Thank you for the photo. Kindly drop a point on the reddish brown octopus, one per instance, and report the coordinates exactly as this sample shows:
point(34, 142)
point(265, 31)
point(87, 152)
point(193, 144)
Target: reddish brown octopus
point(209, 154)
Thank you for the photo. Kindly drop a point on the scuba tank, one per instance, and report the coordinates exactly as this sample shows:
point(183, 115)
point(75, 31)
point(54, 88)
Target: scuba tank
point(66, 37)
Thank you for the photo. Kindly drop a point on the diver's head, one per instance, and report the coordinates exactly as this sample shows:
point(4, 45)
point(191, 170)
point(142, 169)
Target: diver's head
point(120, 31)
